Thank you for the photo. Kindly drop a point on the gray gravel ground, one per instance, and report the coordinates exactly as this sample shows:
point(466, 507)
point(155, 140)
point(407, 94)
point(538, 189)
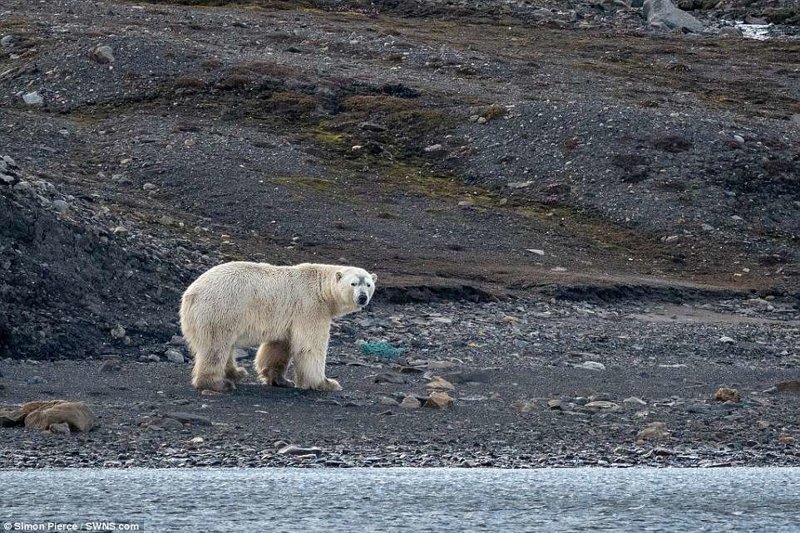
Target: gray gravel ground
point(505, 360)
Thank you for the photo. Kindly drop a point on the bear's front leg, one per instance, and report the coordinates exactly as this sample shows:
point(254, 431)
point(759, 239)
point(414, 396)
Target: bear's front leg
point(309, 351)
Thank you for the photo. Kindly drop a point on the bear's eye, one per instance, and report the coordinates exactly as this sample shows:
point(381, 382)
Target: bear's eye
point(369, 285)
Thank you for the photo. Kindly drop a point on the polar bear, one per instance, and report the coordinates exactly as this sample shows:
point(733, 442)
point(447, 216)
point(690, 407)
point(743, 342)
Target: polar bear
point(287, 310)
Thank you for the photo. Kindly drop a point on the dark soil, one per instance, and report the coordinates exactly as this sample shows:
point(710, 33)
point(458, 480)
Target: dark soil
point(444, 146)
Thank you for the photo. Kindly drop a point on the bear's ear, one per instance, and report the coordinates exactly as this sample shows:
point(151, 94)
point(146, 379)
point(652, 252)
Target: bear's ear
point(339, 276)
point(374, 277)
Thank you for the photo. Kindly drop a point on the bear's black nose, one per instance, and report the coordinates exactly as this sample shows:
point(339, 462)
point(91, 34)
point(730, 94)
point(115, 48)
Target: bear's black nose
point(362, 299)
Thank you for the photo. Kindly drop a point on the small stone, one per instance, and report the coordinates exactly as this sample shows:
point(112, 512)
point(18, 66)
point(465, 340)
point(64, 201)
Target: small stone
point(653, 431)
point(174, 356)
point(726, 340)
point(169, 423)
point(373, 127)
point(439, 365)
point(730, 31)
point(410, 402)
point(524, 407)
point(602, 404)
point(189, 418)
point(739, 139)
point(7, 41)
point(725, 394)
point(439, 383)
point(519, 184)
point(591, 365)
point(110, 366)
point(387, 400)
point(33, 98)
point(634, 401)
point(177, 340)
point(784, 438)
point(438, 400)
point(433, 148)
point(763, 424)
point(61, 206)
point(61, 428)
point(473, 398)
point(535, 251)
point(197, 440)
point(118, 332)
point(481, 120)
point(103, 54)
point(149, 187)
point(554, 404)
point(792, 385)
point(154, 358)
point(390, 377)
point(291, 449)
point(468, 376)
point(36, 380)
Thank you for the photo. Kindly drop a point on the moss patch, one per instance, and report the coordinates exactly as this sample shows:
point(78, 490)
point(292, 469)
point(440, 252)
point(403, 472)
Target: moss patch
point(310, 183)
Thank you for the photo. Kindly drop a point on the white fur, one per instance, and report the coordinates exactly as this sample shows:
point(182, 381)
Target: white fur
point(286, 310)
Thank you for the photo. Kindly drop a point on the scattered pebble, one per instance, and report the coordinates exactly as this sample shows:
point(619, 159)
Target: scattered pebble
point(103, 54)
point(33, 98)
point(725, 394)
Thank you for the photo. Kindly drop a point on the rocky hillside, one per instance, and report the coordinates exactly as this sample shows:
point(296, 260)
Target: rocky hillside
point(548, 148)
point(72, 272)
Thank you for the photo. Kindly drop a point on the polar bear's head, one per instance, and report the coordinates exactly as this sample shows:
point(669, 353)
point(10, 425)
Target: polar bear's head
point(356, 286)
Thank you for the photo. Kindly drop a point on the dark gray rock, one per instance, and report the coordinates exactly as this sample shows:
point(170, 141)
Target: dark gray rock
point(390, 377)
point(189, 418)
point(103, 54)
point(467, 376)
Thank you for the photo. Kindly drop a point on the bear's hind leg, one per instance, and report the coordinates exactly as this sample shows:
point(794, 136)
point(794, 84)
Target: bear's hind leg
point(309, 352)
point(271, 363)
point(209, 369)
point(233, 372)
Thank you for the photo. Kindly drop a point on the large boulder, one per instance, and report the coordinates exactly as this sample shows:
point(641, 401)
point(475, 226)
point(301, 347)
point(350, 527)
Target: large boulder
point(664, 14)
